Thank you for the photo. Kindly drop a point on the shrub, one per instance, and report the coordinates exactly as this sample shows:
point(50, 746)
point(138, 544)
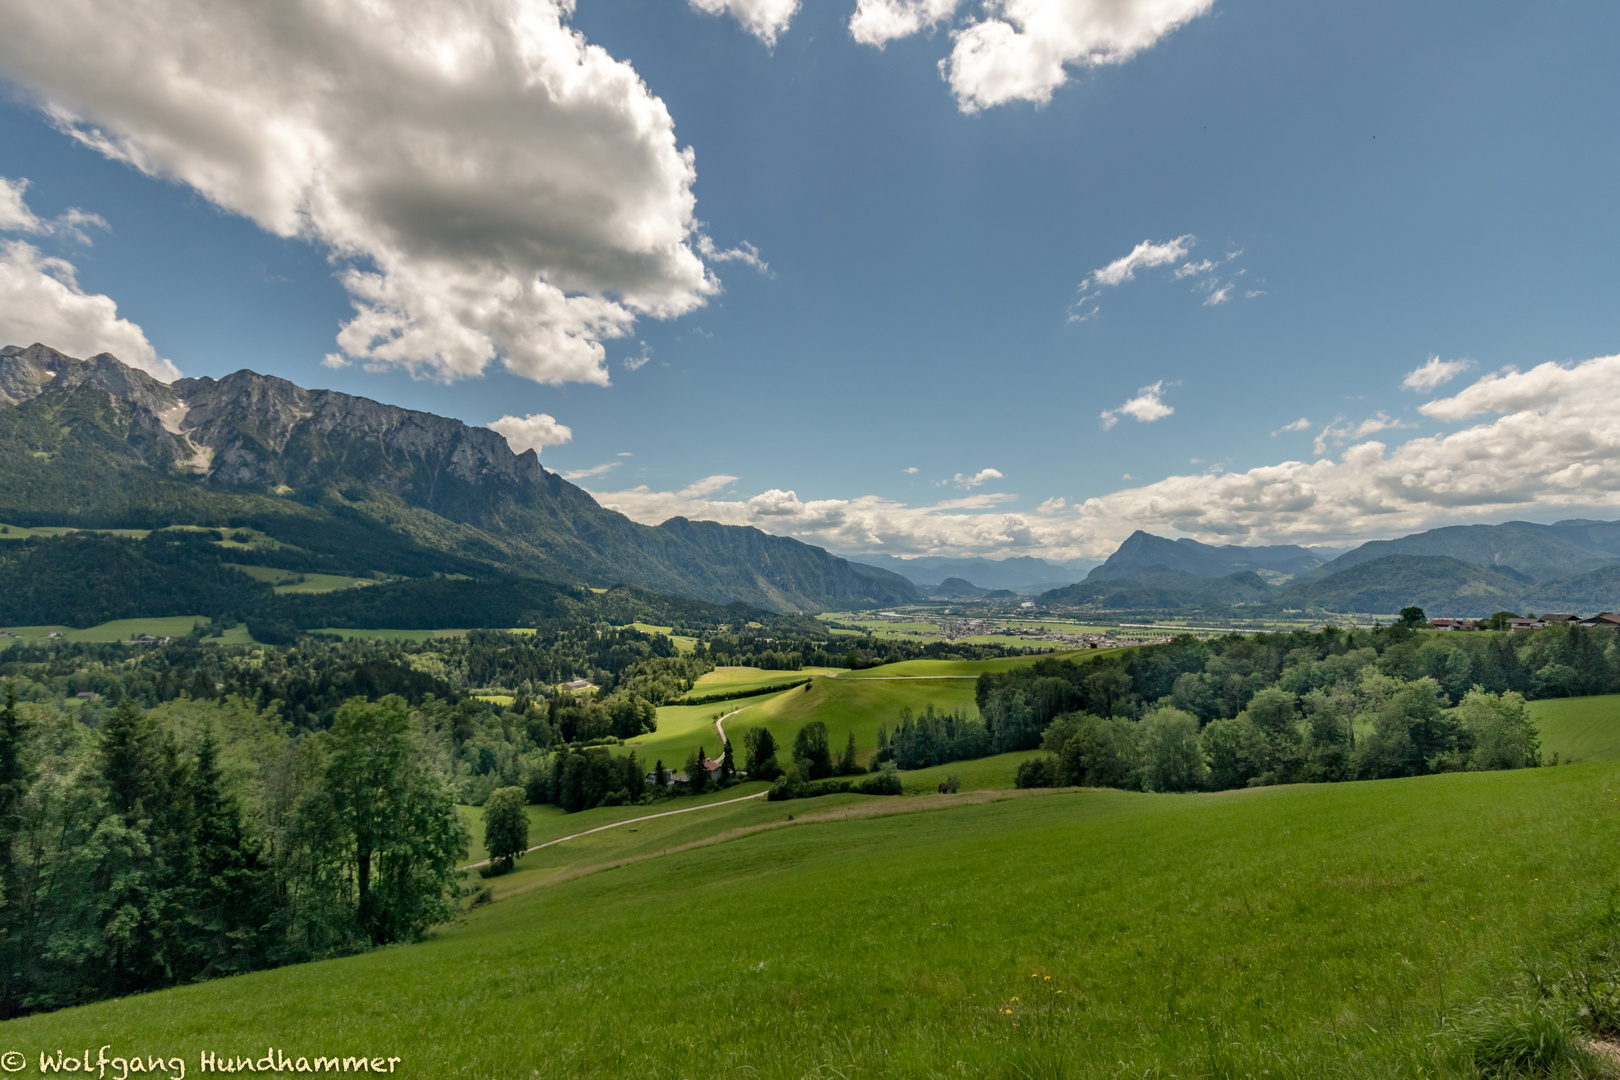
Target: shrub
point(1037, 772)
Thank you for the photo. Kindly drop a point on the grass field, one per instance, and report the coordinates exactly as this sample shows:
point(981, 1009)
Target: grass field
point(351, 634)
point(958, 668)
point(730, 680)
point(287, 581)
point(125, 629)
point(1316, 930)
point(981, 774)
point(683, 645)
point(1578, 729)
point(683, 728)
point(846, 705)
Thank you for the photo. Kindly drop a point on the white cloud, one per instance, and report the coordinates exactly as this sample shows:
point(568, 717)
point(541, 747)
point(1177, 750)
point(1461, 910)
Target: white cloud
point(1511, 390)
point(1554, 450)
point(765, 19)
point(1301, 424)
point(1340, 432)
point(15, 216)
point(962, 480)
point(745, 253)
point(624, 453)
point(1433, 373)
point(1020, 50)
point(912, 471)
point(1143, 255)
point(1147, 406)
point(639, 360)
point(1206, 274)
point(1052, 505)
point(594, 470)
point(14, 213)
point(878, 22)
point(40, 300)
point(707, 486)
point(492, 185)
point(533, 432)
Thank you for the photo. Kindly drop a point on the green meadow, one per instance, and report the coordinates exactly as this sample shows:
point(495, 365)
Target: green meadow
point(126, 629)
point(1314, 930)
point(736, 680)
point(1578, 729)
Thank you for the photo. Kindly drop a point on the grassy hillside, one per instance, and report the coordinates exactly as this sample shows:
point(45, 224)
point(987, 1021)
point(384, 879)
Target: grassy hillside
point(1579, 729)
point(858, 705)
point(1306, 930)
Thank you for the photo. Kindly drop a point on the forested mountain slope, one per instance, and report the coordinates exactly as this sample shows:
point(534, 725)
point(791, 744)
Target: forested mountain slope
point(354, 484)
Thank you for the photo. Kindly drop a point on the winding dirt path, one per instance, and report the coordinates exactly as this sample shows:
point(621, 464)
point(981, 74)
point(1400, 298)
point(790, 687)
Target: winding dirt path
point(629, 821)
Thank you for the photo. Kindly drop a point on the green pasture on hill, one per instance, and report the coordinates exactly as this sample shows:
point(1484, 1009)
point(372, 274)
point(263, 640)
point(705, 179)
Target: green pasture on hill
point(1304, 931)
point(683, 728)
point(1579, 729)
point(973, 668)
point(995, 773)
point(643, 829)
point(126, 629)
point(351, 633)
point(290, 581)
point(730, 680)
point(846, 705)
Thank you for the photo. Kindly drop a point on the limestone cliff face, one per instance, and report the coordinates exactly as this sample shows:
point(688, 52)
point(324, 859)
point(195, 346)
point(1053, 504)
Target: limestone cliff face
point(442, 483)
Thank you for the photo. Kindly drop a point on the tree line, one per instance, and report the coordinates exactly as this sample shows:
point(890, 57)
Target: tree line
point(200, 839)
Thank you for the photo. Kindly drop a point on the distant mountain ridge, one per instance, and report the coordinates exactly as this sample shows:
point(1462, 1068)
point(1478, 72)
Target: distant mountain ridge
point(354, 482)
point(1470, 570)
point(1022, 573)
point(1544, 552)
point(1142, 552)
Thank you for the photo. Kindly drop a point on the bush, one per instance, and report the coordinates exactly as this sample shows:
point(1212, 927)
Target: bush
point(1037, 772)
point(885, 781)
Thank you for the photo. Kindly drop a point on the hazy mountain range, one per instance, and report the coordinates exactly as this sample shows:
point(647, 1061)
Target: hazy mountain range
point(1469, 570)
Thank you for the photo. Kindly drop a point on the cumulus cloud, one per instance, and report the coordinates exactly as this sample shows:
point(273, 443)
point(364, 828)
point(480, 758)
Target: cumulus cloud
point(40, 300)
point(1301, 424)
point(1434, 373)
point(910, 471)
point(878, 22)
point(765, 19)
point(533, 432)
point(1511, 390)
point(1551, 447)
point(1022, 50)
point(490, 184)
point(965, 480)
point(1147, 406)
point(1052, 505)
point(1205, 274)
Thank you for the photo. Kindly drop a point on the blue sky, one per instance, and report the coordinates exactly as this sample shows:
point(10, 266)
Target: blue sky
point(1361, 188)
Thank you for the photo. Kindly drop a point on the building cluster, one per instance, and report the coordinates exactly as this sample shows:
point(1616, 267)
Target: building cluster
point(1603, 619)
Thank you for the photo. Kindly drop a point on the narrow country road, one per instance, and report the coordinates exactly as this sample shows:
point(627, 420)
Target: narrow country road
point(630, 821)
